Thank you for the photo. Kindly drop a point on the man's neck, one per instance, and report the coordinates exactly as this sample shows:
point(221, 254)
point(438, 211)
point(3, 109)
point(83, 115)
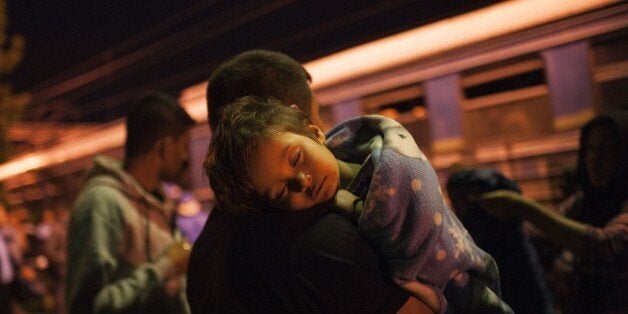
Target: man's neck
point(144, 172)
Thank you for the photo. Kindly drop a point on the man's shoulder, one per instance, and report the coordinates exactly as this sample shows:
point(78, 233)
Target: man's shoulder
point(334, 236)
point(216, 234)
point(310, 231)
point(222, 228)
point(236, 260)
point(101, 187)
point(99, 199)
point(250, 245)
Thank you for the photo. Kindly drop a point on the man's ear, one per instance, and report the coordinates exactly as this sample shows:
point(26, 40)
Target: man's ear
point(318, 133)
point(164, 146)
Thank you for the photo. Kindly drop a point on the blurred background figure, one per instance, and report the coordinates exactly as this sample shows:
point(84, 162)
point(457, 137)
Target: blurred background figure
point(32, 260)
point(597, 233)
point(602, 169)
point(124, 253)
point(7, 267)
point(522, 278)
point(569, 187)
point(52, 233)
point(558, 263)
point(191, 216)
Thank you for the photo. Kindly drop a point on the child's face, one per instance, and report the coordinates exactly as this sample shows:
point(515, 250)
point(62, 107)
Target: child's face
point(294, 172)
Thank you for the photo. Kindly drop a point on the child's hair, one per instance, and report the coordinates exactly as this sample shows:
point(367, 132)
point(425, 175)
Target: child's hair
point(244, 125)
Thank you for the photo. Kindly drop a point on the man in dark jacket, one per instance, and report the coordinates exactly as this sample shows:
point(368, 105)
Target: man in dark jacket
point(306, 261)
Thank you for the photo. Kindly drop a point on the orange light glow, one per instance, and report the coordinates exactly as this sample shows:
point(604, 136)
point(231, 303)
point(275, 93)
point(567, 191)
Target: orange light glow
point(490, 22)
point(483, 24)
point(109, 136)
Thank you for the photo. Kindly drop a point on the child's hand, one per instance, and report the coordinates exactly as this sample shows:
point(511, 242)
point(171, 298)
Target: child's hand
point(348, 204)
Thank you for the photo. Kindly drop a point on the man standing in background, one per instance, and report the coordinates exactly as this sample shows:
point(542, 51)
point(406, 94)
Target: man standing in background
point(123, 252)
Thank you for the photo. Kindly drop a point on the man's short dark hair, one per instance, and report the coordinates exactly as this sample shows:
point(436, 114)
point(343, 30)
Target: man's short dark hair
point(259, 73)
point(245, 125)
point(153, 117)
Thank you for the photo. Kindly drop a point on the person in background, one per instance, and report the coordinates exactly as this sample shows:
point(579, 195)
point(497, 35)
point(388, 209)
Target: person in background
point(569, 186)
point(15, 229)
point(306, 261)
point(123, 252)
point(190, 216)
point(557, 262)
point(523, 282)
point(598, 233)
point(52, 232)
point(7, 268)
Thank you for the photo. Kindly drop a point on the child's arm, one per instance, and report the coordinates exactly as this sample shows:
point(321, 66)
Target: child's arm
point(349, 205)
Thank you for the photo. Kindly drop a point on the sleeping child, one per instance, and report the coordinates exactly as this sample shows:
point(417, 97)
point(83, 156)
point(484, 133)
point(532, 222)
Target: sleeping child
point(369, 169)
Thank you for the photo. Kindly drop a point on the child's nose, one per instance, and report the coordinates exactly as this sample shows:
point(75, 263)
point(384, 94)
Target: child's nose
point(302, 182)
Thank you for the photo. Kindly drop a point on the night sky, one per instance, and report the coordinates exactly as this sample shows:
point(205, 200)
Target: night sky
point(68, 38)
point(61, 34)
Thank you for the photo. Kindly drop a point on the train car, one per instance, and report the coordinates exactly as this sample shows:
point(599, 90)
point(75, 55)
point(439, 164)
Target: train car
point(504, 87)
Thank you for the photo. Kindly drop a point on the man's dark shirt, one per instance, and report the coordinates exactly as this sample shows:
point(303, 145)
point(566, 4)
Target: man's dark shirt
point(307, 261)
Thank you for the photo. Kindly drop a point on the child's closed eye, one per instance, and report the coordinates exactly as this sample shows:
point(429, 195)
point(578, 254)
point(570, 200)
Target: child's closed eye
point(282, 196)
point(296, 157)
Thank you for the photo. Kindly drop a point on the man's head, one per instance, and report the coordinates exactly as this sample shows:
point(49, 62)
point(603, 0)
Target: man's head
point(261, 73)
point(157, 123)
point(265, 152)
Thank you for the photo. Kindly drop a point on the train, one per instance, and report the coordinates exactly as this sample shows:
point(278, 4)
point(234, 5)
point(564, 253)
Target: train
point(505, 87)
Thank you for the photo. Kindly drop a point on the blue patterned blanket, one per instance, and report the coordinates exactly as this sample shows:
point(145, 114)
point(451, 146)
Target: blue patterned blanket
point(406, 220)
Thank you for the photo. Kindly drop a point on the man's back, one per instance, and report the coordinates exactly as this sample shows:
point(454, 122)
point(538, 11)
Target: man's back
point(308, 261)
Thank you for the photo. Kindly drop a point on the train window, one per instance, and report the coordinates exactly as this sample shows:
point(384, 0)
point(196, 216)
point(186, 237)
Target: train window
point(613, 94)
point(528, 79)
point(611, 69)
point(610, 48)
point(404, 106)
